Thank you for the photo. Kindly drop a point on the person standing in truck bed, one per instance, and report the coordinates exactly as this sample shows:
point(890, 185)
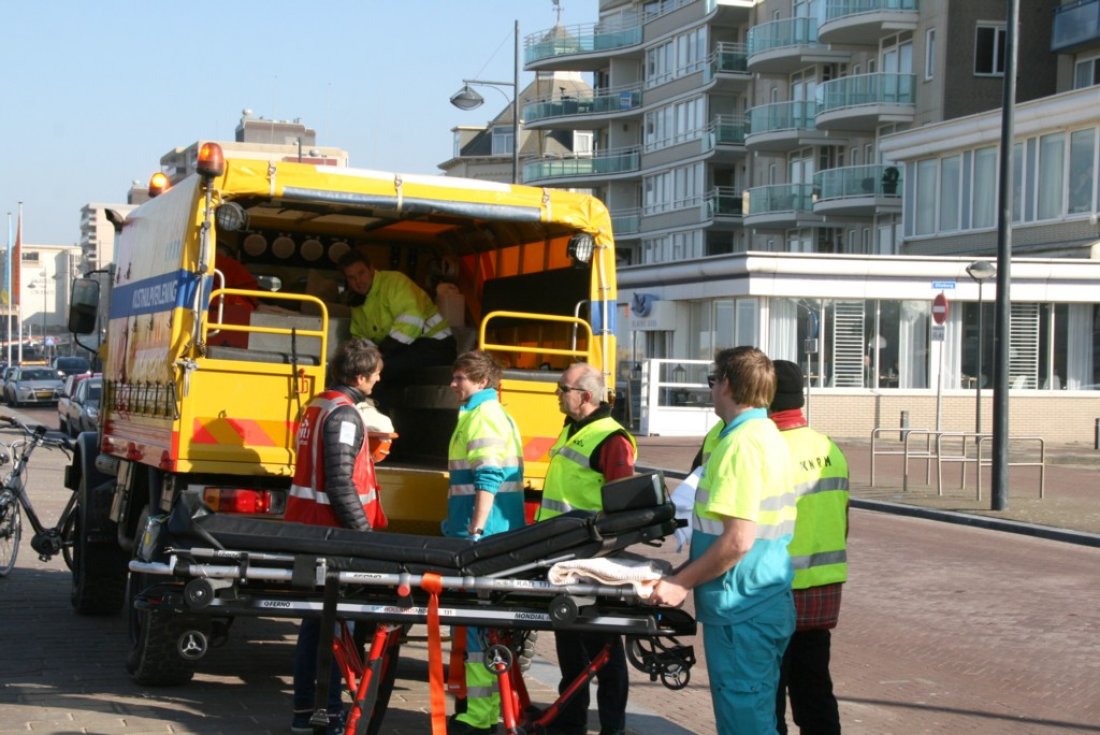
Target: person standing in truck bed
point(398, 316)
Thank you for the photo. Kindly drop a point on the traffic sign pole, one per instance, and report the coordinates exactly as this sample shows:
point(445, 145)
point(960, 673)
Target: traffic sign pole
point(940, 310)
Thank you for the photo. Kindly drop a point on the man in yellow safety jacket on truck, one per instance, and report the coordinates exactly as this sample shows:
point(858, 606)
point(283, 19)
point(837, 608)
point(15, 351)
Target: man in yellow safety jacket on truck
point(398, 316)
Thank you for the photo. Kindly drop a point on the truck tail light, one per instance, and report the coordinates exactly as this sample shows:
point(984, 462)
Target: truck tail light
point(244, 500)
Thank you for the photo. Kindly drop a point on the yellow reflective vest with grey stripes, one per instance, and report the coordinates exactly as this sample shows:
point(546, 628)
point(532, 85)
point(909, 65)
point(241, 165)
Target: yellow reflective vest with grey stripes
point(748, 476)
point(571, 482)
point(398, 308)
point(818, 550)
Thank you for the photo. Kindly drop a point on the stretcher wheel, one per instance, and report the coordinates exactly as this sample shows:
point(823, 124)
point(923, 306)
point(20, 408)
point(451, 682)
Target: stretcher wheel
point(563, 610)
point(198, 593)
point(676, 679)
point(498, 654)
point(192, 645)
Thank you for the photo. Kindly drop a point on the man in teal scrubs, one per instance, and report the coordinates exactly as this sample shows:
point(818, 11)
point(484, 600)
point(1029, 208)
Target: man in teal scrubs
point(739, 567)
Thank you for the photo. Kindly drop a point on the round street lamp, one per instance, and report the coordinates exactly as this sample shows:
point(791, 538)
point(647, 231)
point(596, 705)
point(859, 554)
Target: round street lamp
point(980, 271)
point(467, 98)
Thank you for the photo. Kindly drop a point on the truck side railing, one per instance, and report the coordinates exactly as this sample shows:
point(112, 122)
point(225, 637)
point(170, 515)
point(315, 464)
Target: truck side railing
point(210, 327)
point(588, 354)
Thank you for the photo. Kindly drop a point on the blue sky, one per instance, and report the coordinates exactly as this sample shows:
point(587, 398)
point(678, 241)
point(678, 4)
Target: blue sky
point(95, 92)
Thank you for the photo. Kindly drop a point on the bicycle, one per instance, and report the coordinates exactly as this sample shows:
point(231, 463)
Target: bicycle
point(47, 541)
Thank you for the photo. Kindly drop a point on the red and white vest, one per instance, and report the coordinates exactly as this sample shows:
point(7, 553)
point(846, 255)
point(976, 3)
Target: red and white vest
point(309, 502)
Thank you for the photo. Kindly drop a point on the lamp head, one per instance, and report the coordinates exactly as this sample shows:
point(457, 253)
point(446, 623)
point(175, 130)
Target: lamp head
point(981, 270)
point(467, 98)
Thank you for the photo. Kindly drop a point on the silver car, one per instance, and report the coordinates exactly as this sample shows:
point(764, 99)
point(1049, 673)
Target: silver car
point(37, 384)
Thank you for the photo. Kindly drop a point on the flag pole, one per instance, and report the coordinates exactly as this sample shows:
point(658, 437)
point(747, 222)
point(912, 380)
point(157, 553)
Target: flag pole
point(17, 278)
point(7, 284)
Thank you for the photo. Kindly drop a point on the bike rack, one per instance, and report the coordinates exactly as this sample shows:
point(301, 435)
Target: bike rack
point(905, 452)
point(1041, 464)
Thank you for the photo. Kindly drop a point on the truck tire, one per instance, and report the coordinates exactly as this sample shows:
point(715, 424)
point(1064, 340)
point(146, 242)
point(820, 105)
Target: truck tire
point(99, 567)
point(153, 659)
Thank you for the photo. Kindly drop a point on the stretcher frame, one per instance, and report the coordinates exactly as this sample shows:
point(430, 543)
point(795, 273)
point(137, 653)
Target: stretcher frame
point(506, 602)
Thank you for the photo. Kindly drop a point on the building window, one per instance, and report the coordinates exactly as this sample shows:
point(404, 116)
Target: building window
point(924, 214)
point(985, 188)
point(1082, 148)
point(929, 54)
point(1051, 171)
point(949, 193)
point(1086, 73)
point(502, 141)
point(989, 50)
point(582, 142)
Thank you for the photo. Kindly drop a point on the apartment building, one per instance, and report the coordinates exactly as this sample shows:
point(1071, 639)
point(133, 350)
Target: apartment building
point(769, 166)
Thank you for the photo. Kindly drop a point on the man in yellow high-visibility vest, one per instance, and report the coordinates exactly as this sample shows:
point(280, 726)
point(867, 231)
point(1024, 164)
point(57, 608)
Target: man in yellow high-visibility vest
point(819, 557)
point(739, 568)
point(592, 449)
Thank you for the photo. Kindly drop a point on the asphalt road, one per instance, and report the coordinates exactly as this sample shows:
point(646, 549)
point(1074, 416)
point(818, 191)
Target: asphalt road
point(944, 629)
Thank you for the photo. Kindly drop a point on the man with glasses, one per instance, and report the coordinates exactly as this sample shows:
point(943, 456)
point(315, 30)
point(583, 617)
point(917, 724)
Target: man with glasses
point(591, 450)
point(739, 566)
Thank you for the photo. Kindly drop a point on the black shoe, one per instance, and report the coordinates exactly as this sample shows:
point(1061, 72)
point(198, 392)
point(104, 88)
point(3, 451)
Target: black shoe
point(566, 730)
point(458, 727)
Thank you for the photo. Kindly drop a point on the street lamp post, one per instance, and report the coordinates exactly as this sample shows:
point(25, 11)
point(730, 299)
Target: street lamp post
point(980, 271)
point(468, 99)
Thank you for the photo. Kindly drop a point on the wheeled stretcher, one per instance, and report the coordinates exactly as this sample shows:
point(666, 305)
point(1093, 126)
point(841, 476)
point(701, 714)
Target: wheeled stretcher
point(204, 564)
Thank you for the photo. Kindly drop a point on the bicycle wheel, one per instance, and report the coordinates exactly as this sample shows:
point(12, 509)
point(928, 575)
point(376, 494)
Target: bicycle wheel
point(11, 530)
point(68, 534)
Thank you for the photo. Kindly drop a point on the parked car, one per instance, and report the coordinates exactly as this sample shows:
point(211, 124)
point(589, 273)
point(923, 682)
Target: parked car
point(73, 365)
point(64, 403)
point(35, 384)
point(86, 404)
point(5, 378)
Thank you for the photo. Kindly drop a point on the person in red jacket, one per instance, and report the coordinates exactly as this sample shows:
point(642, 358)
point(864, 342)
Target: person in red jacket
point(334, 485)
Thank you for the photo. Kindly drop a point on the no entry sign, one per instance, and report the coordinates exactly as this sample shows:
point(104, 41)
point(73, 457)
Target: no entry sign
point(939, 308)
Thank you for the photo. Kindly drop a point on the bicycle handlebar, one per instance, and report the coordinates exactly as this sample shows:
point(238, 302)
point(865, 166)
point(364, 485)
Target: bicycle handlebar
point(45, 435)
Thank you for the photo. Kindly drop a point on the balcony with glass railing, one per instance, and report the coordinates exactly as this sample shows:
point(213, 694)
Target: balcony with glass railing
point(725, 131)
point(626, 221)
point(1075, 24)
point(723, 202)
point(543, 48)
point(783, 126)
point(865, 101)
point(865, 22)
point(728, 61)
point(780, 206)
point(601, 102)
point(783, 46)
point(858, 190)
point(610, 163)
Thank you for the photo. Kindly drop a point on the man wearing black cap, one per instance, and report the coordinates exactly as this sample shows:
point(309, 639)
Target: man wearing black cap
point(818, 554)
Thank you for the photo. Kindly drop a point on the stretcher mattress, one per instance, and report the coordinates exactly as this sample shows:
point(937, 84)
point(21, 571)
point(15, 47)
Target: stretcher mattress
point(575, 535)
point(636, 518)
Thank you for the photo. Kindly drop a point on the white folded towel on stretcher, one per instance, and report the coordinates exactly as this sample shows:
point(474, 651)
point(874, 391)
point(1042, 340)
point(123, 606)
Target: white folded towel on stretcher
point(642, 574)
